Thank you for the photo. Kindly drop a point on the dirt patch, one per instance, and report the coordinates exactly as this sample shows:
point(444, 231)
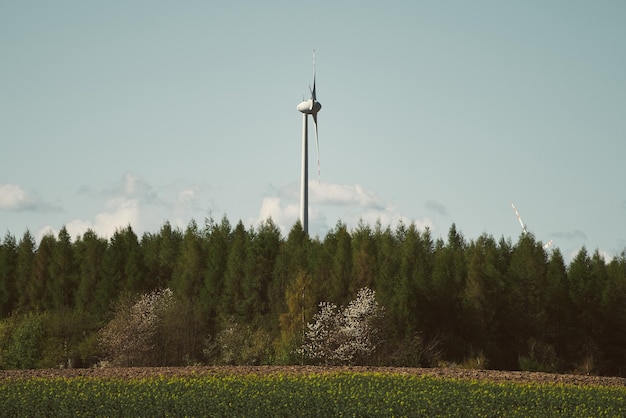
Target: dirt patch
point(141, 372)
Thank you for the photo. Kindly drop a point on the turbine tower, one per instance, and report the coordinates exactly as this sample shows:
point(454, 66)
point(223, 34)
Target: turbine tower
point(308, 107)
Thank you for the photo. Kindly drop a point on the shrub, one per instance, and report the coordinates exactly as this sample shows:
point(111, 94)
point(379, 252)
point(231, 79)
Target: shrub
point(128, 339)
point(25, 343)
point(347, 335)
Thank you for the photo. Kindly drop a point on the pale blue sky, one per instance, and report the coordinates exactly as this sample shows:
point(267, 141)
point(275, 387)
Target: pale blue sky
point(434, 112)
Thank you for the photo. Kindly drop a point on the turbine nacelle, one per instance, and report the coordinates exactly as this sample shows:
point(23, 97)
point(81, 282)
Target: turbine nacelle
point(310, 107)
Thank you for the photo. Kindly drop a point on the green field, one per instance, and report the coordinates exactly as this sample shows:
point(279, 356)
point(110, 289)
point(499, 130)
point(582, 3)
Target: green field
point(311, 395)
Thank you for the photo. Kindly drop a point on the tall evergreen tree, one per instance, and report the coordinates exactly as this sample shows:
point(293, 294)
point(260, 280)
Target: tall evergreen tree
point(39, 289)
point(339, 245)
point(263, 252)
point(291, 261)
point(233, 304)
point(411, 284)
point(482, 299)
point(160, 253)
point(528, 290)
point(89, 251)
point(63, 272)
point(24, 270)
point(8, 261)
point(217, 238)
point(558, 322)
point(585, 278)
point(122, 269)
point(613, 311)
point(448, 280)
point(365, 254)
point(187, 282)
point(388, 267)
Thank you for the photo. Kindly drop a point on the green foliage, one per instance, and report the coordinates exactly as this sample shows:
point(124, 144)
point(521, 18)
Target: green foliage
point(312, 395)
point(541, 358)
point(240, 344)
point(445, 300)
point(25, 344)
point(8, 260)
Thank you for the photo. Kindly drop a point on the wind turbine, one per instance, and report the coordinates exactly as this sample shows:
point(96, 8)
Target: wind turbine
point(525, 229)
point(308, 107)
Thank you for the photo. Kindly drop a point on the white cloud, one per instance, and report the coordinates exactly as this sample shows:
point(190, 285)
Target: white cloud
point(333, 202)
point(119, 213)
point(135, 186)
point(14, 198)
point(343, 195)
point(132, 201)
point(183, 206)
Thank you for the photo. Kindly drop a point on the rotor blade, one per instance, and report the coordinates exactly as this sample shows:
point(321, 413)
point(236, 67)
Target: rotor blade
point(313, 91)
point(317, 144)
point(519, 218)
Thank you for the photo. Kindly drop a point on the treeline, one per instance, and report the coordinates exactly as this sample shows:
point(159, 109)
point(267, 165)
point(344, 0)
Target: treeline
point(244, 295)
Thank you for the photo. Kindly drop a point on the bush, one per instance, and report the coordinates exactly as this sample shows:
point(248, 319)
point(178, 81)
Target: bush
point(541, 358)
point(128, 339)
point(239, 344)
point(347, 335)
point(25, 343)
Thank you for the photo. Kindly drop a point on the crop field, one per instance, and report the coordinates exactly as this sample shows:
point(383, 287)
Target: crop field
point(306, 392)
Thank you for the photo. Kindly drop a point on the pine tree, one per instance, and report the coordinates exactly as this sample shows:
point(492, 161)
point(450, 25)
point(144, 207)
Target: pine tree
point(39, 290)
point(217, 238)
point(63, 272)
point(292, 260)
point(187, 282)
point(24, 270)
point(90, 251)
point(8, 259)
point(482, 299)
point(160, 253)
point(233, 304)
point(263, 253)
point(365, 257)
point(448, 280)
point(341, 279)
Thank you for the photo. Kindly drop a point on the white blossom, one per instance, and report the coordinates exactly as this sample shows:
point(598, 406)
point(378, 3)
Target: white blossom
point(342, 335)
point(130, 334)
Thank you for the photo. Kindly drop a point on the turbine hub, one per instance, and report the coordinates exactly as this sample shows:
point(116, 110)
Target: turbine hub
point(309, 107)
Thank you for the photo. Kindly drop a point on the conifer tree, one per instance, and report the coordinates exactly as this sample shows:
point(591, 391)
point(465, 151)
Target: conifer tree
point(263, 252)
point(38, 290)
point(341, 278)
point(217, 238)
point(365, 257)
point(233, 298)
point(24, 270)
point(90, 251)
point(186, 284)
point(290, 262)
point(63, 272)
point(8, 260)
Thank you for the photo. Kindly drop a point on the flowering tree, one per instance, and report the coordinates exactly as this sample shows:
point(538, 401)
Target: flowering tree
point(344, 335)
point(130, 335)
